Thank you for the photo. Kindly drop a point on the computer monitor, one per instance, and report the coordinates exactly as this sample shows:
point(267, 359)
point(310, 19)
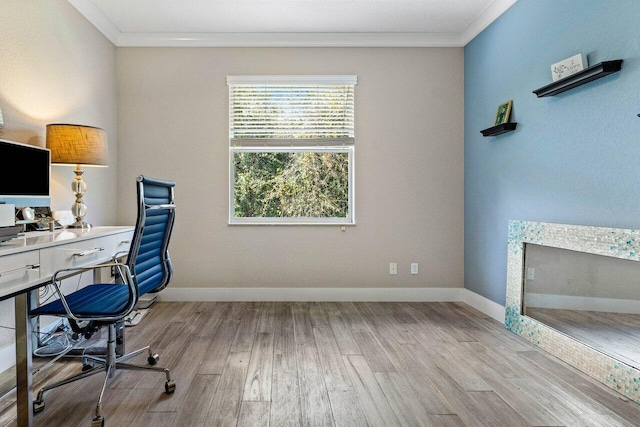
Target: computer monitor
point(27, 182)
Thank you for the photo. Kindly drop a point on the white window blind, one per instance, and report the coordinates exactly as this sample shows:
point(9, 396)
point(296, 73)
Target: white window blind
point(291, 110)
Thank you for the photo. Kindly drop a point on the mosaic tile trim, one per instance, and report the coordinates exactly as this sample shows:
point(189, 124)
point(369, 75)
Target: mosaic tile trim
point(618, 243)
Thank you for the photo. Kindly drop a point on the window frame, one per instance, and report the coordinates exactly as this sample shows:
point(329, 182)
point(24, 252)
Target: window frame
point(349, 220)
point(293, 145)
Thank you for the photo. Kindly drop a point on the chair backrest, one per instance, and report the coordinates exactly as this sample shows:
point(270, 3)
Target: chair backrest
point(148, 258)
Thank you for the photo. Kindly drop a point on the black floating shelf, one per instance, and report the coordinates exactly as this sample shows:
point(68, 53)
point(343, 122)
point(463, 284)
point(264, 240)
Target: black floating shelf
point(587, 75)
point(500, 129)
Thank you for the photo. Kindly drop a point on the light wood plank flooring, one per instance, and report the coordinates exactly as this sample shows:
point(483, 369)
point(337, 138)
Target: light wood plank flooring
point(334, 364)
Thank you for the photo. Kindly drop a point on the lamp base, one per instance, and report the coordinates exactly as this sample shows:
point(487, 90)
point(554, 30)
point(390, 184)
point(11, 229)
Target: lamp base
point(78, 209)
point(80, 224)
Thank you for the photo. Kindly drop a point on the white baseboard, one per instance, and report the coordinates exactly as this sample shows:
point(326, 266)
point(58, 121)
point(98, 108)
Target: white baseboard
point(567, 302)
point(484, 305)
point(7, 357)
point(312, 294)
point(480, 303)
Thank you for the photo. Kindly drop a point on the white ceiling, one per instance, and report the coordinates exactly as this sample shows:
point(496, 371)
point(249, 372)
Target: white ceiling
point(291, 22)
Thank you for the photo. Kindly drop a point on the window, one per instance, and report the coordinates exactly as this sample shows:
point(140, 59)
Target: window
point(291, 148)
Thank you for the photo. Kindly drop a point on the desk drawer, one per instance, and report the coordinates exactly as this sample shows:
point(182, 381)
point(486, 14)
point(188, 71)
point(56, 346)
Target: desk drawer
point(19, 268)
point(77, 254)
point(123, 242)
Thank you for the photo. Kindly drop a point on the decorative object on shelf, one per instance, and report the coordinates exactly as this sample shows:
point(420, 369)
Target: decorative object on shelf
point(503, 113)
point(587, 75)
point(499, 129)
point(77, 145)
point(568, 67)
point(501, 123)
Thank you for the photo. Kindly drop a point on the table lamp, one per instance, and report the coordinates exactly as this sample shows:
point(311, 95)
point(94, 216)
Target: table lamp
point(77, 145)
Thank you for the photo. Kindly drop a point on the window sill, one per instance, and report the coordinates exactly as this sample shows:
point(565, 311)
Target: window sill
point(292, 223)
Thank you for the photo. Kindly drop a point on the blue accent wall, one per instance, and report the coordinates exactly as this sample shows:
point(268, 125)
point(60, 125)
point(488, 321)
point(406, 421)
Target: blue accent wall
point(575, 157)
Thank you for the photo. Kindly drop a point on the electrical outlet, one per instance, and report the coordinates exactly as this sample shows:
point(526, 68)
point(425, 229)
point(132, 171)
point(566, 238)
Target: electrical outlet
point(393, 268)
point(531, 273)
point(414, 268)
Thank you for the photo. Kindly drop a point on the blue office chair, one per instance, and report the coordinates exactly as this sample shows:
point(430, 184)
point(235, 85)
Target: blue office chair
point(147, 269)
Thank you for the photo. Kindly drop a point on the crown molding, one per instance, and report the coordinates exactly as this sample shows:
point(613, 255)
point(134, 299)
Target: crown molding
point(290, 39)
point(97, 18)
point(486, 18)
point(120, 39)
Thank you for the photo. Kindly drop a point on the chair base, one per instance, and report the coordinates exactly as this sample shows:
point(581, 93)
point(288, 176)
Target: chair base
point(102, 349)
point(109, 364)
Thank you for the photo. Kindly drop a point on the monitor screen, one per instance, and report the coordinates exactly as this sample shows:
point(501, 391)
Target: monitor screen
point(31, 171)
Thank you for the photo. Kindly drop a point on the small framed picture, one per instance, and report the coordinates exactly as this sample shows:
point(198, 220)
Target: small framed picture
point(504, 111)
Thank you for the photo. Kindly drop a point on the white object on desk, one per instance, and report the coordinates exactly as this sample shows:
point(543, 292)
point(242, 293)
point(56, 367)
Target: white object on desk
point(28, 214)
point(35, 233)
point(7, 215)
point(63, 217)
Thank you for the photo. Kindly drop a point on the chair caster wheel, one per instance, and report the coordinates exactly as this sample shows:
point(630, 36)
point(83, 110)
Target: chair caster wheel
point(97, 422)
point(38, 406)
point(170, 387)
point(153, 359)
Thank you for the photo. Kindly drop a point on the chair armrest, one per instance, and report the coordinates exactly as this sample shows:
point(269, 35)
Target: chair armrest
point(127, 279)
point(65, 273)
point(115, 258)
point(118, 255)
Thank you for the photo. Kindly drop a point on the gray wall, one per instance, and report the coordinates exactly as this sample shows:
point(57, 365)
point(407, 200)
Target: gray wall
point(57, 68)
point(173, 123)
point(572, 273)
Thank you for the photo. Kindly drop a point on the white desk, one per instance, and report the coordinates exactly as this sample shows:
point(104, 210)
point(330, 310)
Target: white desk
point(27, 263)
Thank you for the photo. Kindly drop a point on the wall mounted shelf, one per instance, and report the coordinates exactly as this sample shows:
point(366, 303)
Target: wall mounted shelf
point(499, 129)
point(587, 75)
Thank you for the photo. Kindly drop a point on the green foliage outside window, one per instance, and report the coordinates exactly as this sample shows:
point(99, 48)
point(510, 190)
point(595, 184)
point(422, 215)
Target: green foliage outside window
point(291, 185)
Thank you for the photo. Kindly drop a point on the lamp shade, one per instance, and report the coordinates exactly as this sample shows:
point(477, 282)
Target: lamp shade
point(77, 144)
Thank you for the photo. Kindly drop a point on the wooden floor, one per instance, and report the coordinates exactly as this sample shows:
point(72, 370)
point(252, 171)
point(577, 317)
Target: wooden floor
point(615, 334)
point(342, 364)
